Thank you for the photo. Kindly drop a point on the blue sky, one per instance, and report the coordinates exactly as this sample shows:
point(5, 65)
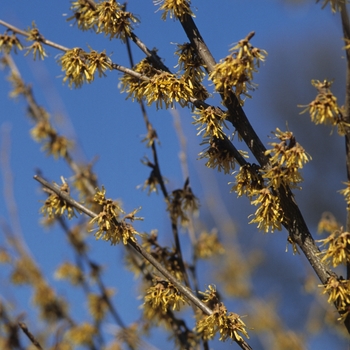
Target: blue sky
point(303, 43)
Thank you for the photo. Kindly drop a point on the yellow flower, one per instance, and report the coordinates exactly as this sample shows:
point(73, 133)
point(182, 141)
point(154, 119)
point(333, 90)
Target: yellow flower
point(113, 21)
point(269, 215)
point(208, 244)
point(82, 334)
point(9, 42)
point(236, 70)
point(165, 295)
point(218, 155)
point(70, 272)
point(55, 205)
point(338, 291)
point(175, 8)
point(338, 248)
point(229, 325)
point(210, 122)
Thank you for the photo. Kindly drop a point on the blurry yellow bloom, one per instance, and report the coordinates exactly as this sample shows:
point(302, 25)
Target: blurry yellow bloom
point(36, 47)
point(208, 244)
point(82, 334)
point(70, 272)
point(18, 85)
point(9, 42)
point(328, 223)
point(98, 305)
point(181, 202)
point(335, 4)
point(57, 146)
point(52, 309)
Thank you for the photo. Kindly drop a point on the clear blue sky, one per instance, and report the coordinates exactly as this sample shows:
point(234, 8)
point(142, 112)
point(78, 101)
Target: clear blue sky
point(106, 126)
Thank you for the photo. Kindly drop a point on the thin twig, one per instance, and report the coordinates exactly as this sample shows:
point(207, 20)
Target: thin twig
point(31, 337)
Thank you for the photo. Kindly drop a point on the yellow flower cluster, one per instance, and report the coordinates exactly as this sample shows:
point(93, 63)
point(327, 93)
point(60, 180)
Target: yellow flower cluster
point(70, 272)
point(160, 87)
point(218, 155)
point(236, 70)
point(210, 122)
point(269, 215)
point(80, 66)
point(52, 309)
point(98, 305)
point(338, 248)
point(165, 256)
point(229, 325)
point(175, 8)
point(191, 67)
point(165, 295)
point(181, 202)
point(324, 109)
point(37, 47)
point(207, 245)
point(248, 179)
point(338, 291)
point(9, 42)
point(328, 223)
point(346, 193)
point(82, 334)
point(106, 17)
point(110, 228)
point(287, 157)
point(55, 205)
point(166, 88)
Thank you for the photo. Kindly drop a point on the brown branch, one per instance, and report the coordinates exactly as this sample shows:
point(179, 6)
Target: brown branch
point(346, 31)
point(31, 337)
point(139, 249)
point(293, 219)
point(42, 39)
